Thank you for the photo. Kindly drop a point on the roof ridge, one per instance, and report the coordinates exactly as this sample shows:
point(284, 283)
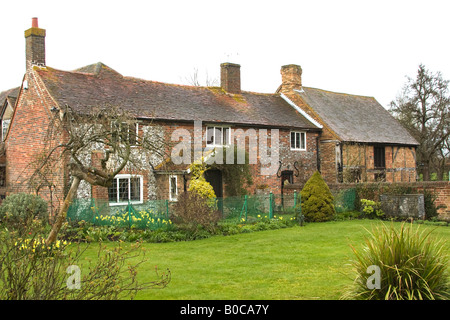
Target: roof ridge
point(94, 69)
point(339, 93)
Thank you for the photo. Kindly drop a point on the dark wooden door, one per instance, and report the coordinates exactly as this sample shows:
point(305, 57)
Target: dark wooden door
point(214, 177)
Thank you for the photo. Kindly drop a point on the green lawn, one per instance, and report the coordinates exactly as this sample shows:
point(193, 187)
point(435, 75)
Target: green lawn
point(310, 262)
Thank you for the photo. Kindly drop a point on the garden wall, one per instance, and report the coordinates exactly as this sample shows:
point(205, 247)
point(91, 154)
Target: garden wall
point(441, 189)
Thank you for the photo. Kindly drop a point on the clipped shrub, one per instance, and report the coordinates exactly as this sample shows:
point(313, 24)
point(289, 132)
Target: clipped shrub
point(317, 201)
point(198, 184)
point(18, 209)
point(400, 264)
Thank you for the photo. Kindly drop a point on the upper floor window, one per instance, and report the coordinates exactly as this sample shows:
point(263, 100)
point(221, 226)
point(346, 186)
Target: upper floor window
point(5, 126)
point(128, 133)
point(379, 157)
point(218, 136)
point(298, 140)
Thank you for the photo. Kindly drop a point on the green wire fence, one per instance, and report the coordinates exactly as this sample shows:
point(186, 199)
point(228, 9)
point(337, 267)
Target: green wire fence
point(156, 214)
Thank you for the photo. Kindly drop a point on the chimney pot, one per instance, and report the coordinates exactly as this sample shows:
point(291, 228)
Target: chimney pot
point(34, 23)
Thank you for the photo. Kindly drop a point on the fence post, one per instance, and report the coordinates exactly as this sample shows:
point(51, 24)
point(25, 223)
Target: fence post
point(295, 198)
point(300, 214)
point(271, 205)
point(167, 209)
point(94, 211)
point(295, 201)
point(129, 213)
point(246, 207)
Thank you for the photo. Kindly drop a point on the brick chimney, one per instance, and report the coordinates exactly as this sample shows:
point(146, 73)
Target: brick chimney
point(35, 45)
point(230, 77)
point(291, 77)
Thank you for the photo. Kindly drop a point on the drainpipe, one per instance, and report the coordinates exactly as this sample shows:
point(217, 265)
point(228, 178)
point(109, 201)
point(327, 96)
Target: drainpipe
point(318, 154)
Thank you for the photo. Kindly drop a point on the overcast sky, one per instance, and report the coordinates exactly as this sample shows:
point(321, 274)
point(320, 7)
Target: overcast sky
point(356, 47)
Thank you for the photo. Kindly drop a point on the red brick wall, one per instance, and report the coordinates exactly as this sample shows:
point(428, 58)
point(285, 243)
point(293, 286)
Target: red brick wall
point(28, 140)
point(442, 191)
point(306, 160)
point(440, 188)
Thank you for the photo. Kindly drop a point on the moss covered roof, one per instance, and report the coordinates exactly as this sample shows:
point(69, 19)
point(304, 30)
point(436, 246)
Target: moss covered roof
point(98, 85)
point(356, 118)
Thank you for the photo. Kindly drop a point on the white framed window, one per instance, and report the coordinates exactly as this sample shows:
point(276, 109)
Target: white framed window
point(173, 188)
point(218, 136)
point(126, 188)
point(126, 131)
point(5, 126)
point(298, 140)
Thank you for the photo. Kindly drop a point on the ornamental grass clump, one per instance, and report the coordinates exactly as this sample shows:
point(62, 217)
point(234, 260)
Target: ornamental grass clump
point(400, 264)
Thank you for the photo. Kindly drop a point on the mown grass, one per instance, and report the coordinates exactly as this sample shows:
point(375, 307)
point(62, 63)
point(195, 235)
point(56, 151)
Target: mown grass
point(309, 263)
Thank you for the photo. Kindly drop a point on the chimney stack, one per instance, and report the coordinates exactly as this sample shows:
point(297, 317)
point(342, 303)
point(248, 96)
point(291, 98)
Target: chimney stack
point(291, 77)
point(230, 77)
point(35, 45)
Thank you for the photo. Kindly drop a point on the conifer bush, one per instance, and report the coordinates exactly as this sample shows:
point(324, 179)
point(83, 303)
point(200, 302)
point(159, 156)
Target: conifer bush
point(19, 209)
point(317, 201)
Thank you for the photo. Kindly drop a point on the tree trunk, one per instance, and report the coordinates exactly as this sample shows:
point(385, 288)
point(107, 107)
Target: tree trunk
point(426, 171)
point(63, 211)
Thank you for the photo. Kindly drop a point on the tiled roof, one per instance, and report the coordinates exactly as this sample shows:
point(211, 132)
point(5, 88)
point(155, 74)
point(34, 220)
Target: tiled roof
point(98, 85)
point(10, 94)
point(356, 118)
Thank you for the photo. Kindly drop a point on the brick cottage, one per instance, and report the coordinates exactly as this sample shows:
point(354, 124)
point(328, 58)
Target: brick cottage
point(360, 141)
point(345, 137)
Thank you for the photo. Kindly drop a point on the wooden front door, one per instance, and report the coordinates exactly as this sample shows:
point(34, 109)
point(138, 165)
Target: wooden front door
point(214, 177)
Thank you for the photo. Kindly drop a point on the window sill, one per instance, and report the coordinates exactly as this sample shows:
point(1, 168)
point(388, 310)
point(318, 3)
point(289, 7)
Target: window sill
point(217, 146)
point(116, 204)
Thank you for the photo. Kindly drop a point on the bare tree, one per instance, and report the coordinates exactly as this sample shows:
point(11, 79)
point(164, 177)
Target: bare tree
point(194, 80)
point(423, 109)
point(72, 138)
